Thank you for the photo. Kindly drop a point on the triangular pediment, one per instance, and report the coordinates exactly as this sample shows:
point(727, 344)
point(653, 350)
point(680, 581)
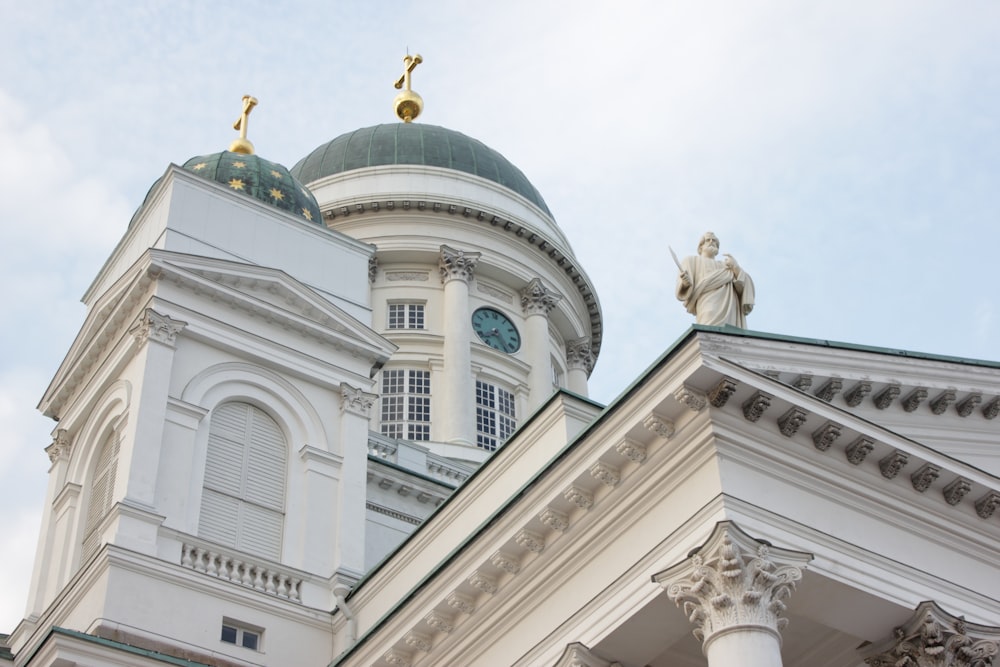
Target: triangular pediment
point(273, 291)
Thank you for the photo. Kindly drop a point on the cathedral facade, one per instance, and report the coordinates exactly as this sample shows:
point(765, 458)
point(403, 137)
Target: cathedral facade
point(338, 415)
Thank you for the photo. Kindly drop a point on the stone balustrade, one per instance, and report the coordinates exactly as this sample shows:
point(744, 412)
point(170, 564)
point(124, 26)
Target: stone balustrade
point(260, 577)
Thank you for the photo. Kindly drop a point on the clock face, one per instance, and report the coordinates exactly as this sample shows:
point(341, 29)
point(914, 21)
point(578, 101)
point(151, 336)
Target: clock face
point(496, 330)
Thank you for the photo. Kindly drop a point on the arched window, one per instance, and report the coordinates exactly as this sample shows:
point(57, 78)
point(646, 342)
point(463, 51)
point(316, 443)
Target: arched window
point(102, 486)
point(243, 501)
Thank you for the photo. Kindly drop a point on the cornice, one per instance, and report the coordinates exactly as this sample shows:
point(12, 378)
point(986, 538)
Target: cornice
point(559, 257)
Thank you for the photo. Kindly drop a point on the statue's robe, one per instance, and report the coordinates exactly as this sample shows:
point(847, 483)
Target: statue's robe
point(715, 296)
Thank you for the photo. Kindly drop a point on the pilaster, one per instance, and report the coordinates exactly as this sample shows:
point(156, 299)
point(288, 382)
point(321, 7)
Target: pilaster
point(733, 589)
point(156, 337)
point(355, 409)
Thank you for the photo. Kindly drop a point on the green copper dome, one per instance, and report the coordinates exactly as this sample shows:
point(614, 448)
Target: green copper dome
point(414, 143)
point(261, 179)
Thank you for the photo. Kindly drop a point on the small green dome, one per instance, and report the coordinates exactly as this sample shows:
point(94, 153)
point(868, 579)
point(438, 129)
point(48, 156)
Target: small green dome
point(261, 179)
point(414, 143)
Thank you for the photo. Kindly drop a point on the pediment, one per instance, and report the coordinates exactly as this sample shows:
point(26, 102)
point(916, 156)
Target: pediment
point(274, 293)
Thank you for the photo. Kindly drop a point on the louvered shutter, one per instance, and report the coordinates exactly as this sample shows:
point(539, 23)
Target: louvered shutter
point(101, 489)
point(244, 496)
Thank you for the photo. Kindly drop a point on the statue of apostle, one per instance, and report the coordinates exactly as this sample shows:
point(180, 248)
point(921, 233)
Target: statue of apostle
point(715, 292)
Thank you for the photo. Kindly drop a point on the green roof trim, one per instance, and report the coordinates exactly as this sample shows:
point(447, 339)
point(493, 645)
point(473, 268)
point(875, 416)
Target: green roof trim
point(125, 648)
point(416, 144)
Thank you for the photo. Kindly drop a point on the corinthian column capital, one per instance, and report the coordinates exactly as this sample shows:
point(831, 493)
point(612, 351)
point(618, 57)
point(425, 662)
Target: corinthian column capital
point(457, 264)
point(934, 638)
point(537, 299)
point(734, 582)
point(355, 401)
point(580, 354)
point(161, 328)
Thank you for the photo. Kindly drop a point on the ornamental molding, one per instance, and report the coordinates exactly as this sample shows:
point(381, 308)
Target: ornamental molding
point(355, 401)
point(494, 292)
point(483, 582)
point(859, 449)
point(457, 264)
point(690, 397)
point(803, 382)
point(61, 447)
point(913, 399)
point(418, 641)
point(439, 622)
point(829, 389)
point(987, 504)
point(372, 269)
point(824, 437)
point(884, 398)
point(968, 404)
point(537, 299)
point(790, 422)
point(992, 409)
point(407, 276)
point(721, 392)
point(554, 519)
point(460, 603)
point(578, 655)
point(605, 474)
point(531, 541)
point(734, 580)
point(632, 450)
point(579, 497)
point(398, 658)
point(661, 426)
point(580, 354)
point(891, 464)
point(857, 393)
point(934, 638)
point(505, 562)
point(956, 490)
point(755, 406)
point(924, 476)
point(940, 403)
point(156, 326)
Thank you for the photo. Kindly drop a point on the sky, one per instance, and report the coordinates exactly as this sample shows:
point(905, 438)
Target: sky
point(847, 154)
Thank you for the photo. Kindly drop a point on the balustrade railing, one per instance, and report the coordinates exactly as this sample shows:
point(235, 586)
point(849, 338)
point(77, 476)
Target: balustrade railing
point(241, 571)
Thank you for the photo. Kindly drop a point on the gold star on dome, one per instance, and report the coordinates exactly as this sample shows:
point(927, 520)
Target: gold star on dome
point(236, 183)
point(240, 165)
point(277, 194)
point(276, 174)
point(199, 166)
point(308, 215)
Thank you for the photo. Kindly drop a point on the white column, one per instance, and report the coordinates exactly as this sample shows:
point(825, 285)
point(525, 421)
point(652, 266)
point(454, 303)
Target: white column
point(46, 575)
point(733, 589)
point(458, 418)
point(355, 406)
point(579, 365)
point(537, 302)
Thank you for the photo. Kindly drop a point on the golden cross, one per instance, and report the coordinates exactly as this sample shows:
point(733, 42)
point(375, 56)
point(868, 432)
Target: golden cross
point(410, 62)
point(243, 145)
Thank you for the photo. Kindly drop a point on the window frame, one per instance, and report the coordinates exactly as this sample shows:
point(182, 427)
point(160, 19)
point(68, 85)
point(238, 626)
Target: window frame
point(241, 632)
point(405, 412)
point(409, 315)
point(496, 415)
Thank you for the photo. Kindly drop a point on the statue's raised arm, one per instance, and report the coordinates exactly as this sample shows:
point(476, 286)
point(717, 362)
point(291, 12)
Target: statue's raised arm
point(715, 292)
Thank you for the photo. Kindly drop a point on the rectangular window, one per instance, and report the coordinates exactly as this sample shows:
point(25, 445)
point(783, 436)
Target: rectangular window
point(495, 419)
point(241, 635)
point(405, 316)
point(406, 404)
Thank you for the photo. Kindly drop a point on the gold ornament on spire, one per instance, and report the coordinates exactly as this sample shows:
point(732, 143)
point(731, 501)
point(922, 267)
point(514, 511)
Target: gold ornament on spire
point(243, 145)
point(408, 104)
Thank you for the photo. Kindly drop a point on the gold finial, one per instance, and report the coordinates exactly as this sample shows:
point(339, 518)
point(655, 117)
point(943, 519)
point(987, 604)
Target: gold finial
point(243, 145)
point(408, 104)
